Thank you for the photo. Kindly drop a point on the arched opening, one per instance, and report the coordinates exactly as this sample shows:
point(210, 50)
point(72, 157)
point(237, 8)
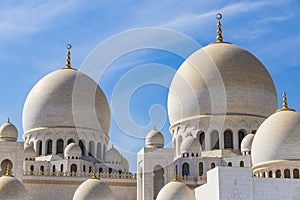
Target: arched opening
point(73, 169)
point(228, 140)
point(99, 150)
point(215, 140)
point(61, 168)
point(83, 168)
point(100, 170)
point(4, 164)
point(158, 180)
point(242, 164)
point(91, 148)
point(31, 168)
point(296, 173)
point(200, 169)
point(90, 169)
point(71, 140)
point(81, 145)
point(202, 140)
point(53, 168)
point(230, 164)
point(49, 147)
point(185, 169)
point(42, 168)
point(270, 174)
point(110, 170)
point(59, 146)
point(278, 173)
point(212, 165)
point(241, 135)
point(287, 173)
point(39, 147)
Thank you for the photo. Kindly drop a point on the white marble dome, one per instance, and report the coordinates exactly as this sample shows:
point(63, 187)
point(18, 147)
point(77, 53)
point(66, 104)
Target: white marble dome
point(72, 150)
point(8, 132)
point(175, 191)
point(66, 98)
point(93, 189)
point(246, 143)
point(221, 78)
point(190, 145)
point(155, 139)
point(113, 155)
point(12, 188)
point(277, 139)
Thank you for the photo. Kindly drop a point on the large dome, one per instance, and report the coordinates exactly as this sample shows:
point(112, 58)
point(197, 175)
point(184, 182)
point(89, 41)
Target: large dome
point(175, 191)
point(221, 78)
point(277, 139)
point(66, 98)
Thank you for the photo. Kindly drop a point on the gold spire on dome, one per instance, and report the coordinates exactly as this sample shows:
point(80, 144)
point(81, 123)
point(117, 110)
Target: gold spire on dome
point(68, 62)
point(251, 131)
point(219, 30)
point(94, 174)
point(8, 171)
point(8, 120)
point(175, 179)
point(284, 104)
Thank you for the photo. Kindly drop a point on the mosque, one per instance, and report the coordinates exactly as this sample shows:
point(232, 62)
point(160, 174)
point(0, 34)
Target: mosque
point(229, 139)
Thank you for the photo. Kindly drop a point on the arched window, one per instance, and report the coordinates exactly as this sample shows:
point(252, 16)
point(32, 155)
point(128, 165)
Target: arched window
point(241, 135)
point(49, 147)
point(39, 147)
point(81, 145)
point(71, 140)
point(158, 180)
point(296, 173)
point(202, 140)
point(230, 164)
point(61, 168)
point(215, 140)
point(110, 170)
point(278, 173)
point(59, 146)
point(242, 164)
point(73, 168)
point(212, 165)
point(185, 169)
point(31, 168)
point(100, 170)
point(270, 174)
point(228, 140)
point(42, 168)
point(84, 170)
point(53, 168)
point(287, 173)
point(4, 164)
point(99, 150)
point(91, 148)
point(90, 169)
point(200, 169)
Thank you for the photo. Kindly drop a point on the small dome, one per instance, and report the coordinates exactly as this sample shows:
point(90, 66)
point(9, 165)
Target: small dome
point(175, 191)
point(8, 132)
point(246, 143)
point(72, 150)
point(12, 188)
point(155, 139)
point(113, 155)
point(93, 189)
point(242, 82)
point(29, 150)
point(66, 98)
point(277, 139)
point(190, 145)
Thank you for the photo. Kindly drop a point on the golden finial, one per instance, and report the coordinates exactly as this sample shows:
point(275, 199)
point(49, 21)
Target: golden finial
point(68, 63)
point(251, 131)
point(8, 120)
point(8, 171)
point(94, 174)
point(219, 31)
point(175, 176)
point(284, 104)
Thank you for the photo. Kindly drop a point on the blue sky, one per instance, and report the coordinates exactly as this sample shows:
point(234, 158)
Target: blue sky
point(34, 34)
